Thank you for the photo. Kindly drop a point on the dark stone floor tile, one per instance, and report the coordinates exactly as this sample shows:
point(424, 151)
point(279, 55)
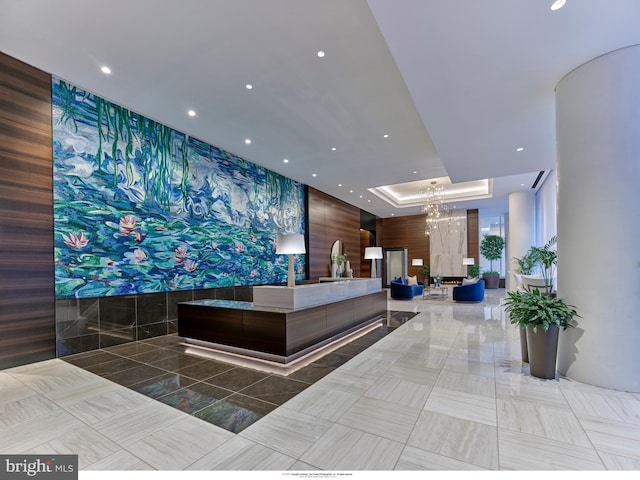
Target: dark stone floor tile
point(164, 340)
point(135, 375)
point(130, 349)
point(311, 373)
point(182, 360)
point(237, 378)
point(195, 397)
point(235, 413)
point(275, 389)
point(89, 359)
point(157, 354)
point(352, 349)
point(205, 370)
point(162, 385)
point(333, 359)
point(119, 364)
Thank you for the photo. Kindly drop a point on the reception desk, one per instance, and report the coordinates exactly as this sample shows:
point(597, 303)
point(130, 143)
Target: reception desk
point(281, 334)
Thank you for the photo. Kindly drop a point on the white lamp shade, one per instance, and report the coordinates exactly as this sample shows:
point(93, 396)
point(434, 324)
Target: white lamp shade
point(416, 262)
point(468, 261)
point(372, 253)
point(290, 243)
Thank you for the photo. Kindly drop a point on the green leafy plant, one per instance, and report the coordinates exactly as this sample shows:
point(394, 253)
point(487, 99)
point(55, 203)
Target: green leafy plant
point(526, 264)
point(474, 270)
point(491, 248)
point(490, 272)
point(546, 257)
point(534, 308)
point(426, 271)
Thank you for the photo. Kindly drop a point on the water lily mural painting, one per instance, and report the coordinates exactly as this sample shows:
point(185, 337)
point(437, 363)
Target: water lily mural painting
point(142, 208)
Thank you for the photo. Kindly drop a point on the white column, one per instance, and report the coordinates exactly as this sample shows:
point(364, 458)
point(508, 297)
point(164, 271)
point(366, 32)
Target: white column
point(598, 146)
point(522, 229)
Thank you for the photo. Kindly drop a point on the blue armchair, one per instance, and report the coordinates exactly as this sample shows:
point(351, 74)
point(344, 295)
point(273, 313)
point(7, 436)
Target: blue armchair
point(400, 289)
point(473, 292)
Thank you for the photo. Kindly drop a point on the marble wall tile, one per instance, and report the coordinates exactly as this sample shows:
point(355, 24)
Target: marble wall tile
point(76, 317)
point(151, 308)
point(150, 330)
point(117, 312)
point(173, 298)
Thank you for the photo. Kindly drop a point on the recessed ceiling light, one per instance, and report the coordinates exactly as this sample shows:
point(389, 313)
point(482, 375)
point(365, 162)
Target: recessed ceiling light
point(386, 135)
point(333, 148)
point(247, 141)
point(393, 214)
point(314, 175)
point(320, 53)
point(286, 160)
point(339, 184)
point(415, 171)
point(522, 184)
point(519, 149)
point(105, 70)
point(248, 86)
point(558, 4)
point(360, 196)
point(369, 201)
point(191, 113)
point(350, 191)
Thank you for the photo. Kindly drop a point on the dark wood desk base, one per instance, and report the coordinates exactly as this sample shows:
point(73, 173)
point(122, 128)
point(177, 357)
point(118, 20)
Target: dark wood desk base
point(279, 335)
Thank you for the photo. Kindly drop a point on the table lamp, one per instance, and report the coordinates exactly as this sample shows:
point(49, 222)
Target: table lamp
point(373, 254)
point(290, 244)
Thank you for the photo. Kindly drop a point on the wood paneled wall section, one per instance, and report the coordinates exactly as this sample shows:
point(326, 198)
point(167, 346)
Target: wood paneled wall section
point(473, 246)
point(365, 241)
point(407, 232)
point(27, 295)
point(331, 219)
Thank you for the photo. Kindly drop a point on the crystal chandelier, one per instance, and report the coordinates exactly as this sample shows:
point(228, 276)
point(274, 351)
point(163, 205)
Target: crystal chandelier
point(434, 206)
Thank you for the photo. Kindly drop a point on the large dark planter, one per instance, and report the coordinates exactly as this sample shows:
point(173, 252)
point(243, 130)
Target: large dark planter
point(491, 280)
point(523, 344)
point(543, 349)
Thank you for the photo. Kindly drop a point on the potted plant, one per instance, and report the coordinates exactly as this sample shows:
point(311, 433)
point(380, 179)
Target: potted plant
point(491, 248)
point(437, 280)
point(474, 271)
point(426, 274)
point(532, 310)
point(546, 258)
point(526, 264)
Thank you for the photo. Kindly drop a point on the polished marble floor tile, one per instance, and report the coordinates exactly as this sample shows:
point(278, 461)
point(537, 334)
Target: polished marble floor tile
point(418, 395)
point(243, 454)
point(287, 431)
point(344, 448)
point(463, 440)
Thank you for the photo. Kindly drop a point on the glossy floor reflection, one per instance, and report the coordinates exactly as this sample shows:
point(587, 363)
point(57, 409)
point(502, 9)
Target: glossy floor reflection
point(229, 396)
point(444, 390)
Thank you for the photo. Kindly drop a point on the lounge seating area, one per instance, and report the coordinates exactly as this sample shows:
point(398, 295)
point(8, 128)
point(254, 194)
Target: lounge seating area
point(406, 288)
point(469, 291)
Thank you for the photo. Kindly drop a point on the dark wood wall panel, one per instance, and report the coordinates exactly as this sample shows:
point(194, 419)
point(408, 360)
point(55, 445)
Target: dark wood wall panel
point(366, 240)
point(473, 247)
point(27, 295)
point(407, 232)
point(331, 219)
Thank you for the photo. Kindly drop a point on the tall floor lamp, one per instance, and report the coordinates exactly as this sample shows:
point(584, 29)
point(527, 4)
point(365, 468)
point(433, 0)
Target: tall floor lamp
point(290, 244)
point(373, 254)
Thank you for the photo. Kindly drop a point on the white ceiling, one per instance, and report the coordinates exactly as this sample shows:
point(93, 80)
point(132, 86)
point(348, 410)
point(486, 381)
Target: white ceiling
point(457, 85)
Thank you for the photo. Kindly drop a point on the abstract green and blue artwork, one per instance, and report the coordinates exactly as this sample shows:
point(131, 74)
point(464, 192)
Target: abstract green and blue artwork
point(140, 207)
